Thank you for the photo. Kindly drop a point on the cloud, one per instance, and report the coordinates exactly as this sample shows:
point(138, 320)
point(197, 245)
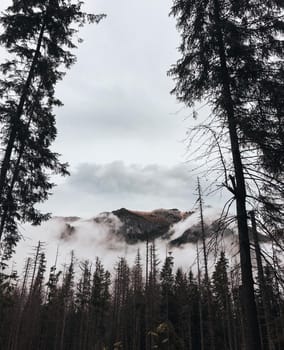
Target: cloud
point(118, 92)
point(119, 178)
point(93, 188)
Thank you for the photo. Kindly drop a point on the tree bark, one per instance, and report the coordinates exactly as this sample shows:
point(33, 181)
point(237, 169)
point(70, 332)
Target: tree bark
point(207, 282)
point(15, 120)
point(199, 302)
point(261, 280)
point(252, 334)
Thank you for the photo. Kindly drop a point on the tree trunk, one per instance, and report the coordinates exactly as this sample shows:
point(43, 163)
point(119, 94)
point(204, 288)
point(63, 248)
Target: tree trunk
point(207, 282)
point(252, 334)
point(262, 284)
point(199, 302)
point(14, 123)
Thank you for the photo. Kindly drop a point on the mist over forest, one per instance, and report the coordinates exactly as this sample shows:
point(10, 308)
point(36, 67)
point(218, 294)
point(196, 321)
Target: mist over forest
point(141, 175)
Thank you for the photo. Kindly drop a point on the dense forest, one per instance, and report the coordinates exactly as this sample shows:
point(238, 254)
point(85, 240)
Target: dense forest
point(231, 59)
point(148, 305)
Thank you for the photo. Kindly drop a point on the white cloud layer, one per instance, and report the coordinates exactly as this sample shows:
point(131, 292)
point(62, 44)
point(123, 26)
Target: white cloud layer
point(93, 188)
point(118, 178)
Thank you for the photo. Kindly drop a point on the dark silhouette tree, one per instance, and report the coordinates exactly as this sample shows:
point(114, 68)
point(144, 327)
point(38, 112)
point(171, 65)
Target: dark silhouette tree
point(39, 36)
point(206, 272)
point(183, 311)
point(78, 311)
point(222, 299)
point(137, 302)
point(83, 298)
point(227, 58)
point(99, 306)
point(167, 288)
point(120, 307)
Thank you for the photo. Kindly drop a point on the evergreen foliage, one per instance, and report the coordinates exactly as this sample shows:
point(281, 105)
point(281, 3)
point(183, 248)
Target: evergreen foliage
point(232, 57)
point(39, 37)
point(98, 310)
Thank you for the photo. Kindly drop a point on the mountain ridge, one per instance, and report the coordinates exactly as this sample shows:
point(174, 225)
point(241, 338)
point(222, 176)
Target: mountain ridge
point(134, 226)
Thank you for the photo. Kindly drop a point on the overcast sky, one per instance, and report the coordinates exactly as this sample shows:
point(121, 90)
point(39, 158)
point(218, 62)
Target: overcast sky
point(120, 129)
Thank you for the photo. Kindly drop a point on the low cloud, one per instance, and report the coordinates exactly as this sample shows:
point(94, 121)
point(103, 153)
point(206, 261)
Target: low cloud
point(93, 188)
point(119, 178)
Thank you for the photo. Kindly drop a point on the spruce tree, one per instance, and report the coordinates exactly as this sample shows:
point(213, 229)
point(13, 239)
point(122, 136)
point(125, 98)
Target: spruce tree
point(39, 37)
point(222, 299)
point(232, 57)
point(182, 308)
point(138, 300)
point(99, 305)
point(167, 288)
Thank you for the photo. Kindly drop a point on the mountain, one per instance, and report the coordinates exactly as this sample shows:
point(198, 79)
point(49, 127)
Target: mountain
point(139, 226)
point(131, 226)
point(122, 232)
point(176, 227)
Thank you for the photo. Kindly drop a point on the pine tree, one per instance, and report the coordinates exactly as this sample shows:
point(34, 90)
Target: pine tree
point(99, 306)
point(195, 307)
point(39, 37)
point(182, 305)
point(9, 305)
point(121, 298)
point(30, 325)
point(222, 299)
point(83, 298)
point(50, 308)
point(167, 286)
point(226, 47)
point(64, 305)
point(138, 301)
point(152, 298)
point(264, 301)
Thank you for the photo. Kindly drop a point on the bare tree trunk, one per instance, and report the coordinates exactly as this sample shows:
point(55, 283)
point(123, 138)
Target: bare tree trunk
point(199, 301)
point(251, 320)
point(14, 340)
point(229, 320)
point(39, 245)
point(14, 127)
point(189, 333)
point(262, 284)
point(16, 171)
point(62, 332)
point(147, 298)
point(207, 282)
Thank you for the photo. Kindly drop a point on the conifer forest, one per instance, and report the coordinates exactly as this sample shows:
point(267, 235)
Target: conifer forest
point(230, 57)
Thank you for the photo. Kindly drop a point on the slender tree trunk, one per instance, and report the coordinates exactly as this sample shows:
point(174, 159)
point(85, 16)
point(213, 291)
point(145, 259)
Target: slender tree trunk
point(37, 253)
point(252, 334)
point(199, 302)
point(9, 198)
point(235, 313)
point(62, 331)
point(19, 316)
point(189, 334)
point(229, 320)
point(15, 120)
point(262, 284)
point(207, 282)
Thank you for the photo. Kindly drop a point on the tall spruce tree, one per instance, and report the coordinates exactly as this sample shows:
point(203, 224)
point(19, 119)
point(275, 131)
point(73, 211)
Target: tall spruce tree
point(222, 299)
point(232, 56)
point(38, 36)
point(167, 288)
point(99, 305)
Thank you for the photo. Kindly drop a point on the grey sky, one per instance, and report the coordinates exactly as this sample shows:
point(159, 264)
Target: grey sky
point(120, 129)
point(97, 187)
point(117, 100)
